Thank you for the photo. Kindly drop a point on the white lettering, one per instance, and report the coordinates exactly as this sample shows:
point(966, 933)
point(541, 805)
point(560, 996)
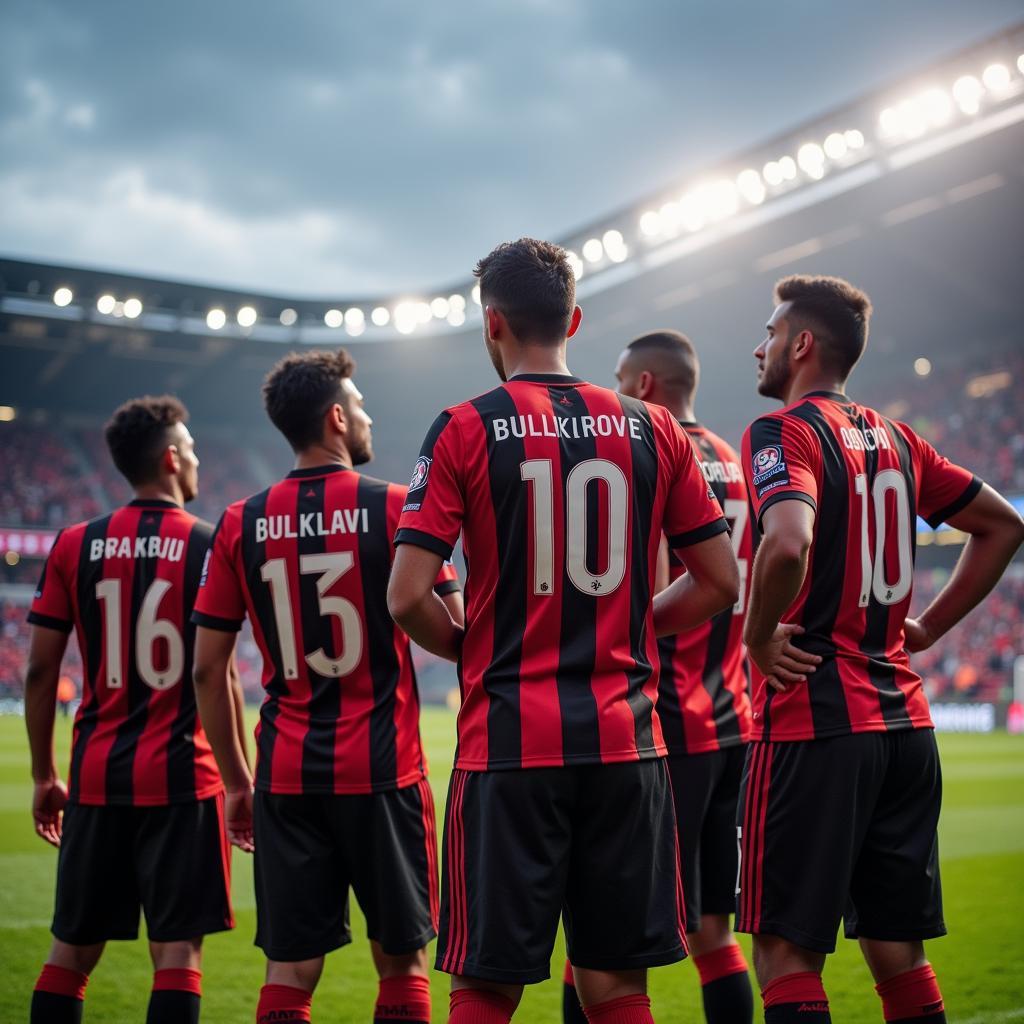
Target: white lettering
point(868, 440)
point(96, 550)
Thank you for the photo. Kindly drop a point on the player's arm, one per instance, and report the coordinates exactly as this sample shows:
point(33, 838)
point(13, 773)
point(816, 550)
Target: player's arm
point(416, 607)
point(995, 531)
point(217, 710)
point(238, 699)
point(779, 571)
point(46, 650)
point(710, 584)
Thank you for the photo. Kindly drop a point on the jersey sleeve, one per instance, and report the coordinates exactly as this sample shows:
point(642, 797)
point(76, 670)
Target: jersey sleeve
point(945, 488)
point(52, 604)
point(434, 504)
point(692, 512)
point(447, 581)
point(220, 603)
point(780, 463)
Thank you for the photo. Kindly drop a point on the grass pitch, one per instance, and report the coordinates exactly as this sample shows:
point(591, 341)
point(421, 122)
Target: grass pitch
point(979, 963)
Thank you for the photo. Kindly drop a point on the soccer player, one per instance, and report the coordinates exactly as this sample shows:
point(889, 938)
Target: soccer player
point(702, 696)
point(842, 785)
point(560, 799)
point(342, 798)
point(142, 818)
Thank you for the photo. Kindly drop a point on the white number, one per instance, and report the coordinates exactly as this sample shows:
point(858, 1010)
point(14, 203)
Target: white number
point(873, 579)
point(539, 473)
point(739, 857)
point(148, 629)
point(329, 568)
point(737, 512)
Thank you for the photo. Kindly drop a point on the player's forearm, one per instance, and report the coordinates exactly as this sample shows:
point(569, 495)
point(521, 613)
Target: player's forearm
point(216, 705)
point(687, 603)
point(238, 703)
point(428, 624)
point(40, 709)
point(779, 571)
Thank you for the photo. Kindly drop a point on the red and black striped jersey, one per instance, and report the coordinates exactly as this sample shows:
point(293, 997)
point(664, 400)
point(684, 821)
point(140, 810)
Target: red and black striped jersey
point(561, 491)
point(126, 582)
point(702, 697)
point(308, 561)
point(868, 479)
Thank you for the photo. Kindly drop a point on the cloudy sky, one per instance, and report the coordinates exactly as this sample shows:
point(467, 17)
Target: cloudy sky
point(326, 148)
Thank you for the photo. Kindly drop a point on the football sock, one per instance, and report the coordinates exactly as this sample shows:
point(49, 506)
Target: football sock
point(175, 996)
point(406, 999)
point(58, 996)
point(912, 996)
point(479, 1006)
point(796, 999)
point(635, 1009)
point(281, 1003)
point(725, 985)
point(572, 1012)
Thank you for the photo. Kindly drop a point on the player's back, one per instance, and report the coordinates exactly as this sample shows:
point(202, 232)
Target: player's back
point(560, 489)
point(308, 560)
point(702, 697)
point(868, 478)
point(127, 582)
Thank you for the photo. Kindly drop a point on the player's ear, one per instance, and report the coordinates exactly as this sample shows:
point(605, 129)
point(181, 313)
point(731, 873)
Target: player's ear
point(574, 322)
point(170, 461)
point(496, 324)
point(803, 345)
point(645, 385)
point(335, 420)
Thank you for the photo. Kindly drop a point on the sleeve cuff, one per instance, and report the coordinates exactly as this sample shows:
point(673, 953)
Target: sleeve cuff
point(705, 532)
point(216, 622)
point(447, 587)
point(420, 539)
point(49, 622)
point(785, 496)
point(969, 494)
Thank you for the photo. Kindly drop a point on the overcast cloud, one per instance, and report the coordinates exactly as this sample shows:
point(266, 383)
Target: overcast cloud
point(328, 148)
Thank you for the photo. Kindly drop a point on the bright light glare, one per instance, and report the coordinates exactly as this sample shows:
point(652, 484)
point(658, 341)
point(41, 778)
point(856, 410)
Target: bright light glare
point(423, 313)
point(355, 328)
point(750, 186)
point(62, 297)
point(440, 307)
point(592, 250)
point(691, 211)
point(216, 319)
point(854, 139)
point(810, 157)
point(611, 239)
point(936, 106)
point(576, 263)
point(650, 223)
point(773, 173)
point(456, 317)
point(1020, 63)
point(334, 318)
point(922, 366)
point(105, 304)
point(835, 146)
point(457, 302)
point(288, 317)
point(967, 91)
point(7, 413)
point(355, 317)
point(380, 316)
point(788, 167)
point(132, 308)
point(996, 77)
point(476, 294)
point(246, 316)
point(405, 317)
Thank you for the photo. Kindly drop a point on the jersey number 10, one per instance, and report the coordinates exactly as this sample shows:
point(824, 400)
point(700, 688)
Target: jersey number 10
point(872, 570)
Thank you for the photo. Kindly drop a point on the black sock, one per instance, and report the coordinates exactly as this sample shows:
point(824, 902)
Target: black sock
point(798, 1013)
point(172, 1006)
point(50, 1008)
point(572, 1012)
point(729, 1000)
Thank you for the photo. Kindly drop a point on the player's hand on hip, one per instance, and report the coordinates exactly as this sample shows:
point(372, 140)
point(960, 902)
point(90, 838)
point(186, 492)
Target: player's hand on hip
point(916, 636)
point(781, 662)
point(48, 800)
point(238, 818)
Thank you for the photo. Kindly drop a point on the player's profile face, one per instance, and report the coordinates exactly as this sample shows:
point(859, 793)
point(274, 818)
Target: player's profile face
point(772, 355)
point(626, 376)
point(360, 434)
point(188, 471)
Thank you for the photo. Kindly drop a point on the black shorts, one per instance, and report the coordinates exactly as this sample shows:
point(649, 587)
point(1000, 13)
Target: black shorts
point(594, 843)
point(174, 862)
point(842, 828)
point(310, 849)
point(706, 789)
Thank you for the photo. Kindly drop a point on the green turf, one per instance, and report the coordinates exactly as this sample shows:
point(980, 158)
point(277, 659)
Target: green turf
point(982, 846)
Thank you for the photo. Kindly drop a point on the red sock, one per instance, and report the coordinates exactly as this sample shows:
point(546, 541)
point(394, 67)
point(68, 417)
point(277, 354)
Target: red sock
point(479, 1006)
point(913, 995)
point(178, 979)
point(281, 1003)
point(799, 996)
point(62, 981)
point(719, 963)
point(406, 999)
point(568, 977)
point(635, 1009)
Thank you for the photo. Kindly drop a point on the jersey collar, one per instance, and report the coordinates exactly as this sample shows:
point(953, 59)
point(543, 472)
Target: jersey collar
point(565, 379)
point(152, 503)
point(836, 396)
point(334, 467)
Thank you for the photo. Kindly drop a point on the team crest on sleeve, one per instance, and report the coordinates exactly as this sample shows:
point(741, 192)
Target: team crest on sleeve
point(420, 473)
point(767, 462)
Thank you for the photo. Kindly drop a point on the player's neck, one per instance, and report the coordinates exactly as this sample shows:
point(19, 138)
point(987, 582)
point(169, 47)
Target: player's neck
point(537, 359)
point(804, 384)
point(163, 490)
point(321, 455)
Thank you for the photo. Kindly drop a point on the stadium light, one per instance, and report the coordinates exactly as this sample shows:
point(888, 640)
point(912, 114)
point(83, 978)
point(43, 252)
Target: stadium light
point(63, 297)
point(380, 316)
point(690, 211)
point(593, 250)
point(288, 317)
point(105, 304)
point(811, 159)
point(788, 167)
point(334, 318)
point(996, 77)
point(750, 186)
point(835, 146)
point(355, 317)
point(967, 91)
point(132, 308)
point(854, 139)
point(476, 294)
point(922, 366)
point(457, 302)
point(246, 316)
point(1020, 63)
point(423, 312)
point(456, 317)
point(440, 307)
point(355, 328)
point(406, 317)
point(773, 173)
point(7, 413)
point(216, 319)
point(575, 263)
point(614, 245)
point(650, 223)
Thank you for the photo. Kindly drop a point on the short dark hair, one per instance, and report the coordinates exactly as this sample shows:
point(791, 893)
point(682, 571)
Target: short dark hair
point(137, 435)
point(836, 313)
point(300, 389)
point(533, 285)
point(675, 358)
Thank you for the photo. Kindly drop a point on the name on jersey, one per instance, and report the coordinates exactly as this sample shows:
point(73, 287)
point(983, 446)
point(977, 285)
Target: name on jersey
point(722, 472)
point(869, 440)
point(312, 524)
point(169, 549)
point(567, 427)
